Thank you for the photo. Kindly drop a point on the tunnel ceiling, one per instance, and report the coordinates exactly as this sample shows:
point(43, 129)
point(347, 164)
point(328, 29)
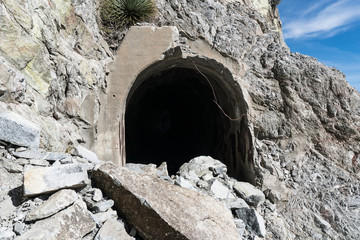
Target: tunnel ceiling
point(171, 117)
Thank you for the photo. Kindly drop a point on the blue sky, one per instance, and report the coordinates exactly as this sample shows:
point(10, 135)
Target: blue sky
point(328, 30)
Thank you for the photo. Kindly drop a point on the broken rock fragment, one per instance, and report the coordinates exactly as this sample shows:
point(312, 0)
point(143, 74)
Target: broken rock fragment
point(54, 204)
point(112, 229)
point(249, 193)
point(72, 223)
point(40, 180)
point(161, 210)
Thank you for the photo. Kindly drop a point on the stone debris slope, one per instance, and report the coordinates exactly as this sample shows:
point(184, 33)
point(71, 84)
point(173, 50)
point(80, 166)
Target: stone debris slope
point(59, 199)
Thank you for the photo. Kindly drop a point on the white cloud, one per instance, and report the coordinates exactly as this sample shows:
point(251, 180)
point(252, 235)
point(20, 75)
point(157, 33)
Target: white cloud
point(327, 22)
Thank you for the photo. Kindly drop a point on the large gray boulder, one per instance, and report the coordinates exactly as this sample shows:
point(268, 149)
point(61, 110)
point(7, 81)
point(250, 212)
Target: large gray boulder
point(19, 131)
point(161, 210)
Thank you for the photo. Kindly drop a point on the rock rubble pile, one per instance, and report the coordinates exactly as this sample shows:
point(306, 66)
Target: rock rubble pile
point(53, 195)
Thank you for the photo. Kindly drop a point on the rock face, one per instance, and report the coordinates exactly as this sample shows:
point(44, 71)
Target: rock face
point(55, 70)
point(160, 210)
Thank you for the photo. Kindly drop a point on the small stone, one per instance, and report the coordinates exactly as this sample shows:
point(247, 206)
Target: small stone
point(57, 202)
point(203, 185)
point(20, 149)
point(19, 228)
point(113, 229)
point(162, 171)
point(97, 195)
point(354, 203)
point(249, 193)
point(220, 190)
point(240, 225)
point(320, 222)
point(19, 131)
point(87, 154)
point(102, 206)
point(42, 180)
point(39, 162)
point(254, 222)
point(101, 217)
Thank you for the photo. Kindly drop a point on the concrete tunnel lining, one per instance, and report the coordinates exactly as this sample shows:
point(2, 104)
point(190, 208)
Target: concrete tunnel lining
point(171, 116)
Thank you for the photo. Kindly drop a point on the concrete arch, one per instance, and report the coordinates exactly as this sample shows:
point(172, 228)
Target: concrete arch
point(138, 74)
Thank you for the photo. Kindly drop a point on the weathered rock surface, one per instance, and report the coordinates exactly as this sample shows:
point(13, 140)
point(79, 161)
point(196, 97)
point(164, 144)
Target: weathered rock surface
point(18, 130)
point(72, 223)
point(160, 210)
point(57, 202)
point(40, 180)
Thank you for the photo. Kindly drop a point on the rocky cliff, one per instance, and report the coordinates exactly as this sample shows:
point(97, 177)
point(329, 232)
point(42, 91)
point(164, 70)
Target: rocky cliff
point(302, 118)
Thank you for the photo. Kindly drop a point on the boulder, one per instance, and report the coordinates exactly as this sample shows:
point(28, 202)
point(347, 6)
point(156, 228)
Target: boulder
point(72, 223)
point(161, 210)
point(249, 193)
point(17, 130)
point(253, 221)
point(40, 180)
point(57, 202)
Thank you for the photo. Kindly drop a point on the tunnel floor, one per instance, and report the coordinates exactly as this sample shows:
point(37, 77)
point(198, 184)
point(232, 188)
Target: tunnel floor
point(171, 117)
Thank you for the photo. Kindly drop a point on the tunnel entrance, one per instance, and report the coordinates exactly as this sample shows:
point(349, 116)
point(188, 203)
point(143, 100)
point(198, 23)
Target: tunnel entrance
point(171, 116)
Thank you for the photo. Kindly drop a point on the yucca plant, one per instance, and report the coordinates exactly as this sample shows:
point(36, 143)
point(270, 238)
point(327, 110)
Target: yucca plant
point(120, 13)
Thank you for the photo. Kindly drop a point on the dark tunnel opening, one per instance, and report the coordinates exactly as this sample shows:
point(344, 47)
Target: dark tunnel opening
point(171, 118)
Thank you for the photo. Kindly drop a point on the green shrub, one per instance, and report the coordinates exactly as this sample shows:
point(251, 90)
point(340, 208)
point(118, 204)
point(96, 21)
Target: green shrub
point(121, 13)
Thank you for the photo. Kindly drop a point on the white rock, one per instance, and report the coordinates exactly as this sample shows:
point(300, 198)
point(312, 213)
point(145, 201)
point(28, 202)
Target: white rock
point(40, 180)
point(220, 190)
